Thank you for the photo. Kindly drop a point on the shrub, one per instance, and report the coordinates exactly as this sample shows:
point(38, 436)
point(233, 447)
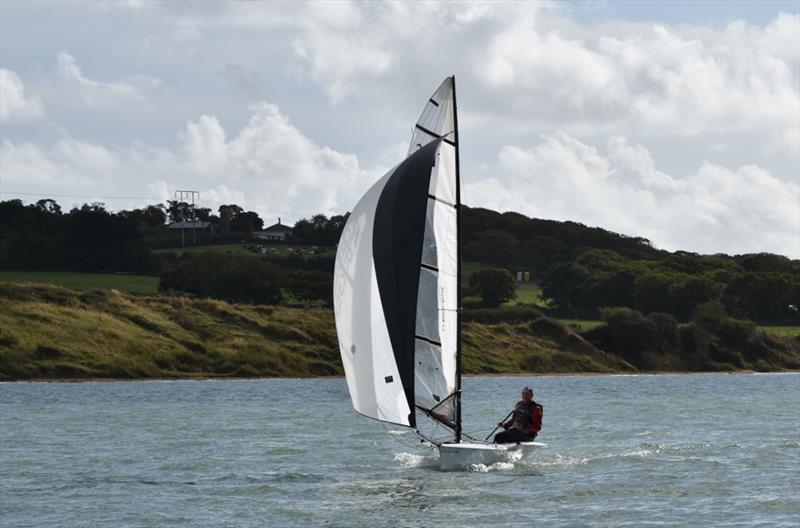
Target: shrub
point(519, 313)
point(544, 326)
point(495, 286)
point(229, 277)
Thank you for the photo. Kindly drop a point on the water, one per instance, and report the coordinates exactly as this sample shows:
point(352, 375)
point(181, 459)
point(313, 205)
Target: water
point(694, 451)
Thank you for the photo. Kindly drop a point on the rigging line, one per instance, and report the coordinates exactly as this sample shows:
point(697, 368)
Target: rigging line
point(472, 437)
point(397, 438)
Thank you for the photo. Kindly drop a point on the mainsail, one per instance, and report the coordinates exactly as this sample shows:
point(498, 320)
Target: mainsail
point(396, 281)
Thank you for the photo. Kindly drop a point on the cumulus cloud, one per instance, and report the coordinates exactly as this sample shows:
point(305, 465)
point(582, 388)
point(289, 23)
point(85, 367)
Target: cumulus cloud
point(271, 161)
point(14, 105)
point(657, 79)
point(530, 64)
point(268, 166)
point(715, 208)
point(97, 92)
point(68, 164)
point(717, 108)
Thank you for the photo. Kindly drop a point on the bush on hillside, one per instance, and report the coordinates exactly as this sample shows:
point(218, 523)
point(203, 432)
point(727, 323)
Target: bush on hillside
point(228, 277)
point(494, 285)
point(519, 313)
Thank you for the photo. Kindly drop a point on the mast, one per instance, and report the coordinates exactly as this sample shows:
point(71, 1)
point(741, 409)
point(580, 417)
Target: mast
point(458, 274)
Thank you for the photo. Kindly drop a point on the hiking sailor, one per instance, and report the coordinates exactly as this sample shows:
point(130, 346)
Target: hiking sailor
point(525, 421)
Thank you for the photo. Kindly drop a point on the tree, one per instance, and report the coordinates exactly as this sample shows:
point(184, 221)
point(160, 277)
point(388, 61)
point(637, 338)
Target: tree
point(763, 296)
point(334, 228)
point(303, 230)
point(155, 216)
point(320, 229)
point(203, 214)
point(227, 214)
point(178, 211)
point(150, 218)
point(565, 285)
point(767, 262)
point(247, 222)
point(49, 206)
point(494, 285)
point(493, 247)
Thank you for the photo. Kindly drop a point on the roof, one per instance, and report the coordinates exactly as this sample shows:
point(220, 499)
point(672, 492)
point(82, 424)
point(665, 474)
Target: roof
point(277, 228)
point(184, 224)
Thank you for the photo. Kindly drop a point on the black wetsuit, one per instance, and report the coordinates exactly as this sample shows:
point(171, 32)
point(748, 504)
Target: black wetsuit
point(521, 420)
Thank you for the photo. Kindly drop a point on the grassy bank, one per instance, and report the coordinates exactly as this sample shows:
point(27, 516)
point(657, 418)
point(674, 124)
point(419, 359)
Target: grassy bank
point(51, 332)
point(785, 331)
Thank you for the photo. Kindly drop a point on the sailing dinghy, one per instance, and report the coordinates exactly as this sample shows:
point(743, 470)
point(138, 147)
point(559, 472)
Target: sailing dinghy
point(397, 292)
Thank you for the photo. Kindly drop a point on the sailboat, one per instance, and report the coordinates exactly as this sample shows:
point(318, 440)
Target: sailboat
point(397, 292)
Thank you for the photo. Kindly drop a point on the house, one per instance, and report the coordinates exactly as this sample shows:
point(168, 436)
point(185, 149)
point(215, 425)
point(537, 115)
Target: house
point(274, 232)
point(188, 224)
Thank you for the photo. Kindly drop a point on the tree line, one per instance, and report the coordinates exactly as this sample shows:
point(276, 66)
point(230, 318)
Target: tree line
point(581, 269)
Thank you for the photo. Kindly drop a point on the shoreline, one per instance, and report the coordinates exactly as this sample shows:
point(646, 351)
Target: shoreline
point(495, 375)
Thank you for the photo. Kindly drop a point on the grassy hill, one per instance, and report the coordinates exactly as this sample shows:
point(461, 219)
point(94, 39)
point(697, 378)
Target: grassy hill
point(49, 332)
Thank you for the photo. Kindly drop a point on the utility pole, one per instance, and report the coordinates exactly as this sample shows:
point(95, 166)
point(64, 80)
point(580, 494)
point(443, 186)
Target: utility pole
point(188, 197)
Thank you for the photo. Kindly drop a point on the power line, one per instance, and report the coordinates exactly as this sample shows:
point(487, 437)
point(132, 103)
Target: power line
point(290, 214)
point(83, 196)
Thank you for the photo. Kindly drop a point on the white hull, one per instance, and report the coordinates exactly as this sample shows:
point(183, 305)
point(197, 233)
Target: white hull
point(465, 455)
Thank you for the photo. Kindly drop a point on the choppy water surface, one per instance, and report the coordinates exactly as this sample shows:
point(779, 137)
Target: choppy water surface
point(695, 451)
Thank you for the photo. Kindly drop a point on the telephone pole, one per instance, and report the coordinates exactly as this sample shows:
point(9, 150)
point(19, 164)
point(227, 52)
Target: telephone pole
point(188, 198)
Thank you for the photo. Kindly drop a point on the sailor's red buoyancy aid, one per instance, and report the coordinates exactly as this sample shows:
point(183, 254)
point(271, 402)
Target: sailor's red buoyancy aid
point(536, 419)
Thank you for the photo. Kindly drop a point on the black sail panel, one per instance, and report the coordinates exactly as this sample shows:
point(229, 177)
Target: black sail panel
point(397, 252)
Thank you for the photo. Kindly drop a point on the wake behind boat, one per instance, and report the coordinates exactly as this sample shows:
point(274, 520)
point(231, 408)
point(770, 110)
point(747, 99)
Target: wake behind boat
point(397, 292)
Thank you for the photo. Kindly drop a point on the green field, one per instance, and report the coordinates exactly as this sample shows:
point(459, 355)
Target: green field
point(84, 281)
point(785, 331)
point(529, 293)
point(244, 249)
point(238, 249)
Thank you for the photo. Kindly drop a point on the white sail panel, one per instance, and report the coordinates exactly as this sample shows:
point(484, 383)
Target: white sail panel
point(430, 255)
point(428, 306)
point(440, 245)
point(443, 177)
point(430, 386)
point(437, 118)
point(367, 355)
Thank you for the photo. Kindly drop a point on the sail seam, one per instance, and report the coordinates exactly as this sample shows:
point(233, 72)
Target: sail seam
point(429, 267)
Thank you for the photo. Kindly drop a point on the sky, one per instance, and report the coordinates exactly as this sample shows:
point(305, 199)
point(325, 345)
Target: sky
point(675, 121)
